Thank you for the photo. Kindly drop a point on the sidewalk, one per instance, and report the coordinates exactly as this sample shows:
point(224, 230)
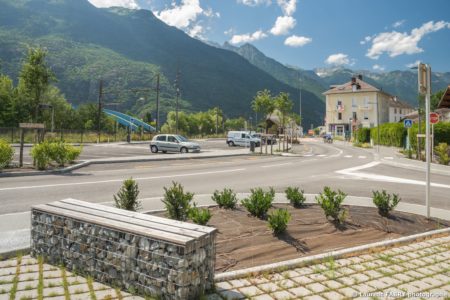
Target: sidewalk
point(416, 270)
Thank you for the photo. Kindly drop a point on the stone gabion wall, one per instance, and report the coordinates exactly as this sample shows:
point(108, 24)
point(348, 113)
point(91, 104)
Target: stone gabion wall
point(134, 263)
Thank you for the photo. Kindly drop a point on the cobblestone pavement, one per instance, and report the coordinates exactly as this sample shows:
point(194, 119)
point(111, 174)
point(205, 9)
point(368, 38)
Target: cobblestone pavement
point(420, 270)
point(26, 278)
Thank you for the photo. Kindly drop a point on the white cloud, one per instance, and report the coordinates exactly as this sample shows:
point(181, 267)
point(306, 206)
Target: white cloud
point(378, 67)
point(196, 31)
point(297, 41)
point(247, 38)
point(414, 64)
point(254, 2)
point(109, 3)
point(366, 39)
point(398, 23)
point(181, 16)
point(288, 6)
point(283, 25)
point(396, 43)
point(338, 59)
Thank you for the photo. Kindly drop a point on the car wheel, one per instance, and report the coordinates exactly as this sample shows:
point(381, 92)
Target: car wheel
point(231, 144)
point(164, 151)
point(154, 149)
point(184, 150)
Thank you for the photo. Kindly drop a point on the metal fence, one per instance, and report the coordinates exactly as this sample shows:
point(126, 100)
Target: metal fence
point(12, 135)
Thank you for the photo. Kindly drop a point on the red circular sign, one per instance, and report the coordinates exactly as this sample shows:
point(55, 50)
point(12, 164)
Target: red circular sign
point(434, 118)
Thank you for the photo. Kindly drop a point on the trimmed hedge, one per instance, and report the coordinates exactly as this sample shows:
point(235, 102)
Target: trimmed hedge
point(441, 134)
point(391, 134)
point(363, 135)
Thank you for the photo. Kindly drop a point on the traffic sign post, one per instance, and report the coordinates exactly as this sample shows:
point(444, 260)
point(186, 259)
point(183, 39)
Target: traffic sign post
point(434, 118)
point(408, 124)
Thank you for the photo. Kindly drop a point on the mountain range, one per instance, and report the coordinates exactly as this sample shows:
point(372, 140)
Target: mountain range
point(127, 48)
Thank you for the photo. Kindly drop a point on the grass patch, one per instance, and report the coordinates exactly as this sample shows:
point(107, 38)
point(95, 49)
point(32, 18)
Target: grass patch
point(65, 283)
point(40, 286)
point(91, 288)
point(13, 291)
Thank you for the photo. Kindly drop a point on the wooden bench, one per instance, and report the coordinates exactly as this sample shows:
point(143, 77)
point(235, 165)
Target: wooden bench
point(148, 254)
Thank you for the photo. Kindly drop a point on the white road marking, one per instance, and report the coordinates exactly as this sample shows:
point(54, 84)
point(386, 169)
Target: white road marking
point(361, 156)
point(276, 165)
point(388, 157)
point(348, 156)
point(116, 180)
point(321, 155)
point(375, 177)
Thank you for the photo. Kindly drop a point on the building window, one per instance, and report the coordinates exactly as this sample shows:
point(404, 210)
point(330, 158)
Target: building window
point(354, 116)
point(366, 116)
point(395, 110)
point(400, 111)
point(339, 116)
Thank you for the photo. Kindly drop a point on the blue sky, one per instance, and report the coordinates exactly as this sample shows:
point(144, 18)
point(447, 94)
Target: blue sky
point(381, 35)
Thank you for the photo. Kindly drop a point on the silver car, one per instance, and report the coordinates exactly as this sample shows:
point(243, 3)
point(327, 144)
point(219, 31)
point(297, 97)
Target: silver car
point(172, 143)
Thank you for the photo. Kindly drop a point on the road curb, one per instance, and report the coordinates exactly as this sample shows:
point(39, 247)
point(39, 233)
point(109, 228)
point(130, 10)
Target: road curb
point(14, 253)
point(111, 161)
point(304, 261)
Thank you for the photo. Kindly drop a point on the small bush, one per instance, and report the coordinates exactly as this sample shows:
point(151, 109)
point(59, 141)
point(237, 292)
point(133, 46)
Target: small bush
point(331, 203)
point(259, 202)
point(363, 135)
point(278, 220)
point(442, 150)
point(199, 216)
point(127, 197)
point(385, 202)
point(295, 196)
point(177, 202)
point(6, 154)
point(73, 153)
point(58, 153)
point(40, 153)
point(226, 198)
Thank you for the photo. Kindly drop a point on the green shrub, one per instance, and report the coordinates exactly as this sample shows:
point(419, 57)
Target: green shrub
point(127, 197)
point(199, 216)
point(259, 202)
point(73, 153)
point(363, 135)
point(278, 220)
point(331, 203)
point(226, 198)
point(385, 202)
point(40, 154)
point(442, 150)
point(177, 202)
point(58, 152)
point(295, 196)
point(391, 134)
point(6, 154)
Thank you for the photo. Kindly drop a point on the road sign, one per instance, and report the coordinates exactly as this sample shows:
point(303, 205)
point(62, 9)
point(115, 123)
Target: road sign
point(32, 125)
point(434, 118)
point(407, 123)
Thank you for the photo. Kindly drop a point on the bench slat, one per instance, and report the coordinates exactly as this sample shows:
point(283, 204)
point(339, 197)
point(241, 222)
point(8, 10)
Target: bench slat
point(120, 226)
point(141, 216)
point(129, 220)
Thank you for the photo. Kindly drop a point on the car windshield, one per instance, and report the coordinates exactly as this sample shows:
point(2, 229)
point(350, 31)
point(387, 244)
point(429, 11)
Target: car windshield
point(182, 138)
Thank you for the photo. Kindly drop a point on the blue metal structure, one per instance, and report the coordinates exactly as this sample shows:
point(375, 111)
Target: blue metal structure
point(128, 121)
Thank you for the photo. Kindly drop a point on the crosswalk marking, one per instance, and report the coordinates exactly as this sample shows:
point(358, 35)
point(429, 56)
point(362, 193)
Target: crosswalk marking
point(361, 156)
point(348, 156)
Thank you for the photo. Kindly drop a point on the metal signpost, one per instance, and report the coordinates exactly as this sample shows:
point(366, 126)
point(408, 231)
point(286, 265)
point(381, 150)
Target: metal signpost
point(434, 118)
point(408, 124)
point(424, 85)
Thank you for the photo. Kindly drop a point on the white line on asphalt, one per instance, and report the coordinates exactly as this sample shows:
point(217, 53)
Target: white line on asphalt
point(361, 156)
point(388, 157)
point(275, 165)
point(348, 156)
point(117, 180)
point(360, 175)
point(321, 155)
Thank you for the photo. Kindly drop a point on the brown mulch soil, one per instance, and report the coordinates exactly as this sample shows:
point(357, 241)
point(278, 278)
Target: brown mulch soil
point(244, 241)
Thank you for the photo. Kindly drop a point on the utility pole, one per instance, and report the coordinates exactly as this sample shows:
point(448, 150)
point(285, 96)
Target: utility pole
point(217, 119)
point(177, 85)
point(99, 113)
point(300, 98)
point(157, 102)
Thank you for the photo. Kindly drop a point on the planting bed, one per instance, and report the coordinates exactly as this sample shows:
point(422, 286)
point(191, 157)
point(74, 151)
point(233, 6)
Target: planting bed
point(244, 241)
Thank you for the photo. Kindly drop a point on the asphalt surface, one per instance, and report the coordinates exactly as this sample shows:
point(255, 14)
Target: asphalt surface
point(121, 149)
point(350, 169)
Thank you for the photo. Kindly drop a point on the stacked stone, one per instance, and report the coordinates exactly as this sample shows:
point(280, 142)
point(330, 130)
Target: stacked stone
point(135, 263)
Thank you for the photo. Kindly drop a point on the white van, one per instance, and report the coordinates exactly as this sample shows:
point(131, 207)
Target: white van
point(241, 138)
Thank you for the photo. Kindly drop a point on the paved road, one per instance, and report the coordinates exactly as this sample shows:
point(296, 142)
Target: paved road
point(121, 149)
point(353, 170)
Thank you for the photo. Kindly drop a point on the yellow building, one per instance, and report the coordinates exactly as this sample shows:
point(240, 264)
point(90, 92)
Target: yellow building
point(357, 104)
